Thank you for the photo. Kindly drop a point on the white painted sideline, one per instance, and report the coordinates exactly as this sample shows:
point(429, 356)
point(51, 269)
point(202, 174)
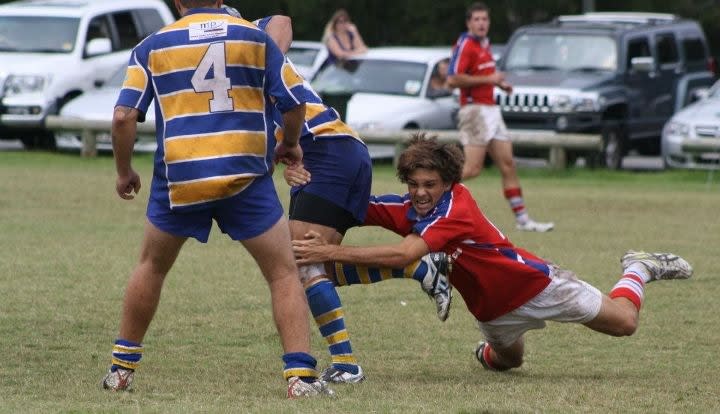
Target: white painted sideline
point(557, 143)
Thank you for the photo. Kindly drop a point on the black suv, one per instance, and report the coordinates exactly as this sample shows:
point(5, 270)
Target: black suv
point(621, 75)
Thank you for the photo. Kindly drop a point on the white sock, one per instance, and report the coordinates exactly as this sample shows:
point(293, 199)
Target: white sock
point(640, 270)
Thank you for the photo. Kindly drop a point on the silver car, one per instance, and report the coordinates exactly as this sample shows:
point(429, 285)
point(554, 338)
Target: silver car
point(308, 57)
point(696, 125)
point(98, 105)
point(389, 88)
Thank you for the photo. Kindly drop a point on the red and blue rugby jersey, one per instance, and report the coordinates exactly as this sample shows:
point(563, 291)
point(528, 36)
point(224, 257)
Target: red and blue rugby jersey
point(493, 276)
point(472, 56)
point(211, 76)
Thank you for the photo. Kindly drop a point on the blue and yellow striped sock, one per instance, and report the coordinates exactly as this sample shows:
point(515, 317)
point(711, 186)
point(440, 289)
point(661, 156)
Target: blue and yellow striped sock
point(126, 355)
point(327, 310)
point(301, 365)
point(347, 274)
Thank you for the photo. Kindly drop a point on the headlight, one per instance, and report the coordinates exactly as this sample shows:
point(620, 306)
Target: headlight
point(587, 105)
point(562, 103)
point(17, 84)
point(582, 103)
point(677, 128)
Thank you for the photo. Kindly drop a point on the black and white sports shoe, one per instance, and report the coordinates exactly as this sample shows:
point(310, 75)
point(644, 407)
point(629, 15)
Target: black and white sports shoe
point(660, 266)
point(338, 376)
point(436, 283)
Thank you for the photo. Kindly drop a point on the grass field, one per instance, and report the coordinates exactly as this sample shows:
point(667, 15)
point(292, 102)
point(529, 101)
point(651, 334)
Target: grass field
point(67, 245)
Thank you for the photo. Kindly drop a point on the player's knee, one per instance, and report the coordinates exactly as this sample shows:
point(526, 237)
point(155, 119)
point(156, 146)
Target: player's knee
point(629, 326)
point(471, 171)
point(625, 326)
point(514, 361)
point(311, 273)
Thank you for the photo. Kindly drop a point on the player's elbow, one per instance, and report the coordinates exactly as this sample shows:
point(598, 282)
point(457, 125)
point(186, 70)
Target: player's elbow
point(123, 116)
point(452, 82)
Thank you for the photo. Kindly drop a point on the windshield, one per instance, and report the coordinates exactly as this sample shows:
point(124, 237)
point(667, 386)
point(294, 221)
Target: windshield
point(389, 77)
point(715, 91)
point(562, 52)
point(302, 56)
point(38, 34)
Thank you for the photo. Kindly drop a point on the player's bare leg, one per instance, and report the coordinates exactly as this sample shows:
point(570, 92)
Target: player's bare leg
point(474, 160)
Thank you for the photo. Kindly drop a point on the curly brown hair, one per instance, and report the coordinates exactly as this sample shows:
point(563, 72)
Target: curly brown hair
point(428, 153)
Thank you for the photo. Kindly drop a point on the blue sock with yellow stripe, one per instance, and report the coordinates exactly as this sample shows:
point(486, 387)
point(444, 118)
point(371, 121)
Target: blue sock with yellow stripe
point(301, 365)
point(327, 310)
point(126, 355)
point(347, 274)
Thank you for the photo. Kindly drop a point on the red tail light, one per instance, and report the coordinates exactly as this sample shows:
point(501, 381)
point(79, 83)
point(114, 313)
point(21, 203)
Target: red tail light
point(712, 65)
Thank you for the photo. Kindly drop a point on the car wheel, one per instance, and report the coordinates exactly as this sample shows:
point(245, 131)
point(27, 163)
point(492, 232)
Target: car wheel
point(614, 147)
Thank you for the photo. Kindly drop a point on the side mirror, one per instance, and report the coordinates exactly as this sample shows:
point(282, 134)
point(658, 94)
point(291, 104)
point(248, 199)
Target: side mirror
point(99, 46)
point(642, 64)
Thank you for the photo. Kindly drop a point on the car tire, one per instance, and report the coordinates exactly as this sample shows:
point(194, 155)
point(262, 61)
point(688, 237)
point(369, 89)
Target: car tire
point(614, 147)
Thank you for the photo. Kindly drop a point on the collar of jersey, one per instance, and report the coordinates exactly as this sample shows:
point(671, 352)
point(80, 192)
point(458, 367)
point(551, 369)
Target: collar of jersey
point(205, 10)
point(412, 215)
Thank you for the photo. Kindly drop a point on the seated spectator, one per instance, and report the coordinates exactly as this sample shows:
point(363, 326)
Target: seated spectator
point(341, 37)
point(438, 80)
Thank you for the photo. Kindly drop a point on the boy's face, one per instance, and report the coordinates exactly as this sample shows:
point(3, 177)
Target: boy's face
point(479, 23)
point(425, 188)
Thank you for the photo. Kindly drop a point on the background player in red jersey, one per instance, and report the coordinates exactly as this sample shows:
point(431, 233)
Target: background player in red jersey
point(507, 289)
point(482, 129)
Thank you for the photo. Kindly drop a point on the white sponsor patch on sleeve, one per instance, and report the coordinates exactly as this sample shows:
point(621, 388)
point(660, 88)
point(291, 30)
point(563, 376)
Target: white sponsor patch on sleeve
point(208, 30)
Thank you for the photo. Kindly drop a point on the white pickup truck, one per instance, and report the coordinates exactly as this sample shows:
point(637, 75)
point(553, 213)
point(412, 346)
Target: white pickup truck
point(54, 50)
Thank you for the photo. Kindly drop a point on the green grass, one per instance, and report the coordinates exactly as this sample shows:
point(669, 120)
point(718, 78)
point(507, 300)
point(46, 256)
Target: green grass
point(68, 243)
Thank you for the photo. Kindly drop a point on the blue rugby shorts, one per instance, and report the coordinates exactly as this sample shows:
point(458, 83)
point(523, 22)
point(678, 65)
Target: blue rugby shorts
point(243, 216)
point(341, 173)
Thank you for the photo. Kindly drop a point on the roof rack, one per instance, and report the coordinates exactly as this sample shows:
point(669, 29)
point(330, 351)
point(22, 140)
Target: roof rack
point(618, 17)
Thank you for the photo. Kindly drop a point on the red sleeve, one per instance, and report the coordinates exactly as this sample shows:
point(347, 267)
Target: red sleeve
point(464, 59)
point(390, 216)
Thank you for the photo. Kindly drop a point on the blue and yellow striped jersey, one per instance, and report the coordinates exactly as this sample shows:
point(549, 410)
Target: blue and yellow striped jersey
point(211, 77)
point(321, 121)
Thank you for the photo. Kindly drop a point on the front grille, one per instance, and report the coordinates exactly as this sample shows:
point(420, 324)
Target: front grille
point(520, 102)
point(707, 131)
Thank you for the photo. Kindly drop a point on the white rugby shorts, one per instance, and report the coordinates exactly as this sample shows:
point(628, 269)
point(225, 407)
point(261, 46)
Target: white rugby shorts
point(565, 299)
point(479, 124)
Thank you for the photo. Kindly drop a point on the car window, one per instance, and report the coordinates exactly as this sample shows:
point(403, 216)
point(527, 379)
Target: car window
point(150, 20)
point(666, 48)
point(562, 52)
point(38, 34)
point(639, 47)
point(302, 56)
point(694, 50)
point(98, 28)
point(128, 35)
point(373, 76)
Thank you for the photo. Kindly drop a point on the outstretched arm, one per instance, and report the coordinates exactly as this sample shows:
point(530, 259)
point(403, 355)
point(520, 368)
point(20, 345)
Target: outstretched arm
point(314, 249)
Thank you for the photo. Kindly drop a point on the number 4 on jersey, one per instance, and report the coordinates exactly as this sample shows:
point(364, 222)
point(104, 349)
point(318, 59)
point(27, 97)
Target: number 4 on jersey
point(219, 84)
